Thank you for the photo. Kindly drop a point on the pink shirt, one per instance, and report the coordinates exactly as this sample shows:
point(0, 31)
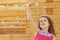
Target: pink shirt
point(42, 37)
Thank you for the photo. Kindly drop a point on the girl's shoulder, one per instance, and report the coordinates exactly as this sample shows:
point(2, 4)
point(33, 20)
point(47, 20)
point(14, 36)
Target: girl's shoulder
point(36, 33)
point(54, 37)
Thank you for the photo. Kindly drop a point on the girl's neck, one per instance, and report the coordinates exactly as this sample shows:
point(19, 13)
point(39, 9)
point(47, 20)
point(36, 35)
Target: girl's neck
point(44, 30)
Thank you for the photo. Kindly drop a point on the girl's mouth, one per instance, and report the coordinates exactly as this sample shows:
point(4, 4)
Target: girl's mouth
point(42, 24)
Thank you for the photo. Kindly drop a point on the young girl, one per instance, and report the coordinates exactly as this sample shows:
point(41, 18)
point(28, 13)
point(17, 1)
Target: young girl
point(45, 30)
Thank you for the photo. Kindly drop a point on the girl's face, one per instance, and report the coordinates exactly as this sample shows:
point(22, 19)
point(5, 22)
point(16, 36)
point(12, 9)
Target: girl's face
point(44, 22)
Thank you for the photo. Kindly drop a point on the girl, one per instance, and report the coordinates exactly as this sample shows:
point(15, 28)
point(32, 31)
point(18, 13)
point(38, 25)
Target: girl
point(45, 30)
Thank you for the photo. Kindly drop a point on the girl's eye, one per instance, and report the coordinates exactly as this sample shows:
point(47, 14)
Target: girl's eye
point(41, 21)
point(44, 20)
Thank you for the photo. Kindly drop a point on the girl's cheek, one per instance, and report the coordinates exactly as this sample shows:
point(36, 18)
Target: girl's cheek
point(47, 24)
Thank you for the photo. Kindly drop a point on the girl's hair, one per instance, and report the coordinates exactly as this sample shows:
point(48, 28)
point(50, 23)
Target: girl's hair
point(50, 29)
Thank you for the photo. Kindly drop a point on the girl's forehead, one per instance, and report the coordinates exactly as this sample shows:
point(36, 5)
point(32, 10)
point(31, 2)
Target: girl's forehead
point(43, 18)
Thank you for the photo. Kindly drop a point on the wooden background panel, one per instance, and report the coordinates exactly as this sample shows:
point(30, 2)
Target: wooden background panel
point(12, 2)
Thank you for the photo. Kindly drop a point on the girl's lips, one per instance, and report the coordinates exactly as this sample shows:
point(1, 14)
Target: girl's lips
point(42, 24)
